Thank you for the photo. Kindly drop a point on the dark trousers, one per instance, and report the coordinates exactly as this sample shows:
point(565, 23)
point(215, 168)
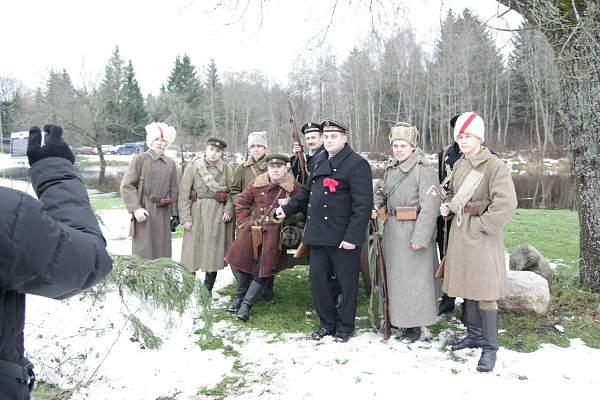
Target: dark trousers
point(325, 260)
point(256, 276)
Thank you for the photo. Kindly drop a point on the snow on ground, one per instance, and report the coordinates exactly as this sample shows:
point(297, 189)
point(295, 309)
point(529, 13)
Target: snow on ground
point(82, 340)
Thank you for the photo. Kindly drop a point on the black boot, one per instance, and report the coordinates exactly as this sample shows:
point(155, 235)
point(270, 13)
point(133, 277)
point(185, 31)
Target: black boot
point(472, 321)
point(412, 334)
point(209, 281)
point(446, 305)
point(243, 282)
point(267, 294)
point(250, 298)
point(489, 322)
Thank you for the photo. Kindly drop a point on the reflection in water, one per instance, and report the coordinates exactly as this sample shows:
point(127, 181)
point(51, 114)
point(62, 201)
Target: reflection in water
point(533, 190)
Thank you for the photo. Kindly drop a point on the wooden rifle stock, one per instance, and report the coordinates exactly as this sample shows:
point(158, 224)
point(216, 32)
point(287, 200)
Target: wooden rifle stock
point(386, 326)
point(296, 139)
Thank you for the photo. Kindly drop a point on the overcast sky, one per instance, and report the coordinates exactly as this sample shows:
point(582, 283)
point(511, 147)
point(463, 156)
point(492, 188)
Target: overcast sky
point(38, 35)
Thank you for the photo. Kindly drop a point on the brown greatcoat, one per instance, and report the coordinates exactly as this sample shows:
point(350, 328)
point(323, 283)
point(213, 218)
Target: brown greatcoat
point(204, 247)
point(152, 238)
point(410, 273)
point(253, 203)
point(475, 263)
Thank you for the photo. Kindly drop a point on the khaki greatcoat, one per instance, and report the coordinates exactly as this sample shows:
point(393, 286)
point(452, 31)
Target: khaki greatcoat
point(410, 273)
point(245, 174)
point(204, 246)
point(253, 203)
point(475, 263)
point(152, 238)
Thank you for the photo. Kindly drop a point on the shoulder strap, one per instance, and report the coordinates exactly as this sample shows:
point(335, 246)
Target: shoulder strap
point(227, 176)
point(254, 171)
point(145, 164)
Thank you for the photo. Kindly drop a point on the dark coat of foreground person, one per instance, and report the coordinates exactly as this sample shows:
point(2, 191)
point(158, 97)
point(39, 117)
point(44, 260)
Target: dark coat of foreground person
point(52, 248)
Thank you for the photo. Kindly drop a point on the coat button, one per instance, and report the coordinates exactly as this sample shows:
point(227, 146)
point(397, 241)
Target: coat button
point(310, 192)
point(335, 169)
point(324, 217)
point(325, 192)
point(262, 209)
point(309, 204)
point(324, 206)
point(262, 193)
point(309, 217)
point(313, 181)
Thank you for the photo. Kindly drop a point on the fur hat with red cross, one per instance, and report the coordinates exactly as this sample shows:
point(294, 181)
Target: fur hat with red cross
point(156, 130)
point(471, 123)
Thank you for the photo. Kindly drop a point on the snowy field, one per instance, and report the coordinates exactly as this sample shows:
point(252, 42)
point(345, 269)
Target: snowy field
point(88, 344)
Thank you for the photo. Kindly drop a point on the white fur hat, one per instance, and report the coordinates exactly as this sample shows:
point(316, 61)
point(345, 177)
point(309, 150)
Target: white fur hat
point(471, 123)
point(259, 138)
point(156, 130)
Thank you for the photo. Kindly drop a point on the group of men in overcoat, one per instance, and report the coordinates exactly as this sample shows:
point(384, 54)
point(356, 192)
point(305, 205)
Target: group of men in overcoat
point(336, 200)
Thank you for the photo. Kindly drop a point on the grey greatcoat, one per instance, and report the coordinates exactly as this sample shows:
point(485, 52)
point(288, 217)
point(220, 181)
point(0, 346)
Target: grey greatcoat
point(152, 238)
point(410, 273)
point(475, 264)
point(204, 246)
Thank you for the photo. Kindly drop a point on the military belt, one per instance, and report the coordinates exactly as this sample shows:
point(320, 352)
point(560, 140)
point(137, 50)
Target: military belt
point(14, 370)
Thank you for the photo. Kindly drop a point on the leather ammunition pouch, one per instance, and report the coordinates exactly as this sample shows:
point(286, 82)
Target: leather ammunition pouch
point(405, 213)
point(256, 235)
point(222, 197)
point(161, 202)
point(473, 208)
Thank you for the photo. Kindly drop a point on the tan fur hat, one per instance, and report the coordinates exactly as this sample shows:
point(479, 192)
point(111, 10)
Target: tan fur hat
point(405, 131)
point(258, 138)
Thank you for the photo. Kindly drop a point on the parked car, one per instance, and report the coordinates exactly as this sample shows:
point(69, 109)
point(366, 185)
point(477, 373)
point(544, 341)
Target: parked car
point(84, 150)
point(109, 149)
point(131, 148)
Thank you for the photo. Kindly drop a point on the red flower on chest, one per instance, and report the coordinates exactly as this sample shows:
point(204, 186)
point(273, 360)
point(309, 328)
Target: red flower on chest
point(330, 184)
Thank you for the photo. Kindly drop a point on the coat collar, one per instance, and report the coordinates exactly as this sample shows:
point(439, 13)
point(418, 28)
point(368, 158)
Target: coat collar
point(483, 155)
point(336, 160)
point(320, 149)
point(219, 164)
point(260, 162)
point(287, 183)
point(154, 156)
point(409, 163)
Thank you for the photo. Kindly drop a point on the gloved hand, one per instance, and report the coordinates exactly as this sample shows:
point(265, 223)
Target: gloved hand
point(140, 215)
point(174, 223)
point(54, 146)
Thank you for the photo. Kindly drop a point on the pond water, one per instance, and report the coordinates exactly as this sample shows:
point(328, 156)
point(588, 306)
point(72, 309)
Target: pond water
point(533, 190)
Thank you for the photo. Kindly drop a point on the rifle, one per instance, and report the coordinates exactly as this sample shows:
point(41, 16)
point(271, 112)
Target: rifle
point(383, 288)
point(296, 139)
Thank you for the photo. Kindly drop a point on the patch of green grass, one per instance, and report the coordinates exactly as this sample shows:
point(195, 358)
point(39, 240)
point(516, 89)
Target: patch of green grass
point(81, 162)
point(555, 233)
point(292, 310)
point(47, 391)
point(107, 203)
point(228, 385)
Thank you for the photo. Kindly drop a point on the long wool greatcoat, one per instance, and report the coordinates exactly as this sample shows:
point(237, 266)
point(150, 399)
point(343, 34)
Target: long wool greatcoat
point(475, 265)
point(410, 273)
point(203, 247)
point(254, 202)
point(152, 238)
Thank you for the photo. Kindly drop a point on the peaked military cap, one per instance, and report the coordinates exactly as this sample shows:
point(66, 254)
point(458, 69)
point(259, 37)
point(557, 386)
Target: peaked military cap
point(453, 120)
point(215, 141)
point(311, 127)
point(275, 158)
point(330, 125)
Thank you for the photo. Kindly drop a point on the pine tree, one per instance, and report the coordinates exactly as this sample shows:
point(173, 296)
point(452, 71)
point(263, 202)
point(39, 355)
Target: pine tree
point(214, 99)
point(133, 101)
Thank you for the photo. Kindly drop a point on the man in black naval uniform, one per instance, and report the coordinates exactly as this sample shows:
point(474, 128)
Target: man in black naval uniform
point(446, 157)
point(313, 136)
point(338, 198)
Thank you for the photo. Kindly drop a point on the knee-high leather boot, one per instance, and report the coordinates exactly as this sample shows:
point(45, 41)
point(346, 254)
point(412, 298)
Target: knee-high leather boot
point(489, 322)
point(209, 280)
point(472, 321)
point(267, 293)
point(250, 298)
point(242, 284)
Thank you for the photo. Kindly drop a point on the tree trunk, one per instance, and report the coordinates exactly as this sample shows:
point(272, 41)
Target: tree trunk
point(573, 30)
